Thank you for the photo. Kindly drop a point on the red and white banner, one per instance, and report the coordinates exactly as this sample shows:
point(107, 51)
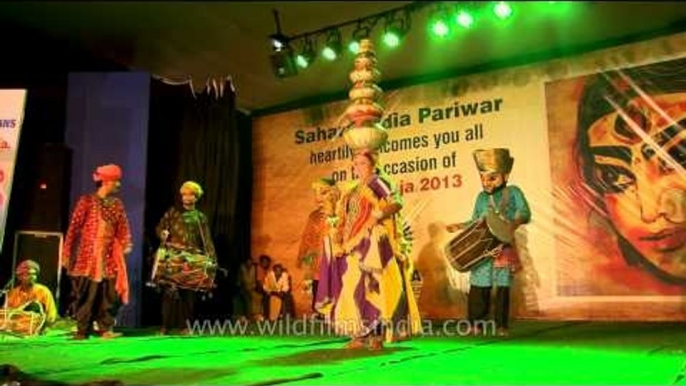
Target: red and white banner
point(11, 119)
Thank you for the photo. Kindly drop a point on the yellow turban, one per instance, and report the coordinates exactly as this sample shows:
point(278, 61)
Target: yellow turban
point(194, 186)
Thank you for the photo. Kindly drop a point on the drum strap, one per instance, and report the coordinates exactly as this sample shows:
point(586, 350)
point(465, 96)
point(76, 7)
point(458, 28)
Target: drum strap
point(503, 201)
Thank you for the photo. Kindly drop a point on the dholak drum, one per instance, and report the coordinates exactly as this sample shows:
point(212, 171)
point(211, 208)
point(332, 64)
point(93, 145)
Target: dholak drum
point(183, 269)
point(471, 246)
point(21, 323)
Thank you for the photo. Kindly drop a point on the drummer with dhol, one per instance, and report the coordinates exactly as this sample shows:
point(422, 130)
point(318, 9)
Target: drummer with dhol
point(29, 296)
point(508, 203)
point(183, 228)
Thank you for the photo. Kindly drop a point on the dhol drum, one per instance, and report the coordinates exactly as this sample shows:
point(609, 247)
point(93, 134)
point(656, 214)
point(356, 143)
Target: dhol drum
point(19, 322)
point(183, 269)
point(480, 240)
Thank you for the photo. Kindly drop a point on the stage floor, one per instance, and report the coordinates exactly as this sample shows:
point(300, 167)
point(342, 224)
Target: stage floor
point(557, 353)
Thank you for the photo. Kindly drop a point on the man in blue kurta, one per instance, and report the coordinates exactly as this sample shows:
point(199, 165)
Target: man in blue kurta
point(508, 203)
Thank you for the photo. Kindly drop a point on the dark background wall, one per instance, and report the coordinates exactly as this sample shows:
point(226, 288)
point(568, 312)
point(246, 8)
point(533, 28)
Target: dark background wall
point(41, 65)
point(107, 122)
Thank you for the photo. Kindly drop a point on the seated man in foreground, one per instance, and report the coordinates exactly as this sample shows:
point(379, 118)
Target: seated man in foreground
point(29, 307)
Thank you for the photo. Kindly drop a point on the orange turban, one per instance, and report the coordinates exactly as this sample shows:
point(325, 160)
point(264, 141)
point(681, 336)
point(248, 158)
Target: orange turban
point(109, 172)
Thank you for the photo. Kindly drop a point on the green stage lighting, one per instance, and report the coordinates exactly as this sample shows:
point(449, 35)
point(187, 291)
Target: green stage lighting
point(329, 53)
point(301, 61)
point(440, 28)
point(306, 56)
point(465, 19)
point(391, 39)
point(502, 10)
point(333, 46)
point(361, 32)
point(397, 26)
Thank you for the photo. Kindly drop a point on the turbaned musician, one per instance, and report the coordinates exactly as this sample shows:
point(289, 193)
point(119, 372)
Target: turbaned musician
point(507, 203)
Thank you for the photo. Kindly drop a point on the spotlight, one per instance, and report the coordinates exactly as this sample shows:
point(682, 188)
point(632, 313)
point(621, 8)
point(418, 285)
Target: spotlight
point(354, 46)
point(332, 47)
point(307, 56)
point(361, 32)
point(279, 42)
point(283, 63)
point(439, 22)
point(502, 10)
point(464, 18)
point(440, 28)
point(391, 38)
point(396, 29)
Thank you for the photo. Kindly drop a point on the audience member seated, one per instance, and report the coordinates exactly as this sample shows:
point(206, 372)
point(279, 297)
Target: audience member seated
point(278, 285)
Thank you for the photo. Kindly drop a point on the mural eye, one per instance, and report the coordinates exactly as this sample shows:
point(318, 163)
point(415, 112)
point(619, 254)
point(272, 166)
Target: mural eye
point(625, 125)
point(647, 151)
point(613, 179)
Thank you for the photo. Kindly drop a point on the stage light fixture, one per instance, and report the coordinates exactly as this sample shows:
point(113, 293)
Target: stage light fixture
point(464, 18)
point(332, 47)
point(361, 32)
point(502, 9)
point(282, 60)
point(396, 28)
point(440, 28)
point(439, 22)
point(307, 55)
point(278, 39)
point(283, 63)
point(307, 45)
point(354, 46)
point(279, 42)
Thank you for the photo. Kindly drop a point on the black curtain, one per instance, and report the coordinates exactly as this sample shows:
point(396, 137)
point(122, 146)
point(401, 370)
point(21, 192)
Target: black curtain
point(203, 138)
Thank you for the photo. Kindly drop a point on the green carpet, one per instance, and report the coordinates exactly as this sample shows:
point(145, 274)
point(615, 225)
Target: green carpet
point(575, 353)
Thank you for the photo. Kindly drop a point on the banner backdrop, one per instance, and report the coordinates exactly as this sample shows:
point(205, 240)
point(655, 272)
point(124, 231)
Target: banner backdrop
point(11, 118)
point(599, 154)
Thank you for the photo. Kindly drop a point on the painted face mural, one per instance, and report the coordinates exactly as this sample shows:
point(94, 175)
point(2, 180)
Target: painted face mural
point(492, 181)
point(637, 160)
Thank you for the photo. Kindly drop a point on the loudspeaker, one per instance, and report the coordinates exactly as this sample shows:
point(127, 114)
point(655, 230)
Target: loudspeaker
point(45, 248)
point(46, 189)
